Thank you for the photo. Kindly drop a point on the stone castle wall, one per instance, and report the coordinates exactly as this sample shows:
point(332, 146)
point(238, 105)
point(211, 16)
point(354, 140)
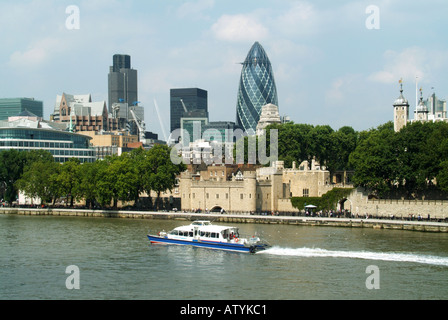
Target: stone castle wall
point(359, 204)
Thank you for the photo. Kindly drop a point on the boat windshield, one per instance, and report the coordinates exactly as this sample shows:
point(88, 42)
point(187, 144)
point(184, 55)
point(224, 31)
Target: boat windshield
point(201, 223)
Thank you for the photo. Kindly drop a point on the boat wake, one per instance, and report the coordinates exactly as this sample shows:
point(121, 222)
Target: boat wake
point(381, 256)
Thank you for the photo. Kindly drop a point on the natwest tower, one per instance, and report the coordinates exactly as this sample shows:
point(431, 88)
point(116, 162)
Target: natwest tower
point(257, 88)
point(122, 81)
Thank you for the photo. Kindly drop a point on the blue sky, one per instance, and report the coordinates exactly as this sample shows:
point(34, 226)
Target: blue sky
point(329, 67)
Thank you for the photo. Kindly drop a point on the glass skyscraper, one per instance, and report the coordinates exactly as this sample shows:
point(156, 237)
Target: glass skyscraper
point(194, 99)
point(257, 88)
point(15, 106)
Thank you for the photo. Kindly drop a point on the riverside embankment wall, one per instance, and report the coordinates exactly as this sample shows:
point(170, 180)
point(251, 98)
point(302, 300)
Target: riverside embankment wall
point(360, 205)
point(423, 226)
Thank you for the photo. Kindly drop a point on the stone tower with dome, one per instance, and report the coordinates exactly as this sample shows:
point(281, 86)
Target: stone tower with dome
point(421, 111)
point(401, 110)
point(269, 115)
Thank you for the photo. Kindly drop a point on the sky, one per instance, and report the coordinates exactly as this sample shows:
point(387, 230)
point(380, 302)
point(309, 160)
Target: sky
point(335, 63)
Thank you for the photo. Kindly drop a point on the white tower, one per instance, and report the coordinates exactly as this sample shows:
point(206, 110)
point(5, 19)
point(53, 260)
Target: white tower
point(401, 110)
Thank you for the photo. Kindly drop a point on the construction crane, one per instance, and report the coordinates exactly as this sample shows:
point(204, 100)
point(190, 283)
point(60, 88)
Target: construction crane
point(161, 122)
point(140, 125)
point(183, 104)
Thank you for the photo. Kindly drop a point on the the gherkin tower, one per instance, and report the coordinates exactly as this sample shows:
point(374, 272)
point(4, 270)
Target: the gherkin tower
point(257, 88)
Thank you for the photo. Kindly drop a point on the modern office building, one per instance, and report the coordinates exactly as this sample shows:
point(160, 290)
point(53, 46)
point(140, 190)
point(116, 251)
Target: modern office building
point(27, 131)
point(192, 125)
point(123, 85)
point(14, 106)
point(436, 107)
point(257, 88)
point(186, 100)
point(221, 131)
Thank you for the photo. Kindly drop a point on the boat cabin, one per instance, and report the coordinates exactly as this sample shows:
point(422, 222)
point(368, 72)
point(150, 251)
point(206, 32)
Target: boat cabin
point(204, 230)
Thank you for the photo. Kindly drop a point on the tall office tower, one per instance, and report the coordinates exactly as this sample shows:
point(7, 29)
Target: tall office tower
point(121, 61)
point(257, 88)
point(122, 82)
point(437, 108)
point(191, 99)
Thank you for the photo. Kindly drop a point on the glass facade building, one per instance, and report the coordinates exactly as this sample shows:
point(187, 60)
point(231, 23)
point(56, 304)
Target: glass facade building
point(62, 145)
point(194, 99)
point(226, 130)
point(436, 107)
point(13, 107)
point(257, 88)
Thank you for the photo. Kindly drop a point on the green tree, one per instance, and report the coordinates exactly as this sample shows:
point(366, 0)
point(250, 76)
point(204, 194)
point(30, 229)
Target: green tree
point(39, 180)
point(442, 177)
point(343, 143)
point(412, 160)
point(294, 142)
point(69, 180)
point(12, 165)
point(87, 186)
point(245, 150)
point(103, 191)
point(320, 139)
point(117, 180)
point(159, 172)
point(138, 157)
point(374, 161)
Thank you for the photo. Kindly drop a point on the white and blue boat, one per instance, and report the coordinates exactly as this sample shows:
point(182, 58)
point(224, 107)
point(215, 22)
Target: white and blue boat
point(204, 234)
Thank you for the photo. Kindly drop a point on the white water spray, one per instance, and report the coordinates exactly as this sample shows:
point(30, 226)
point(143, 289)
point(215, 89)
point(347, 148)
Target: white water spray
point(382, 256)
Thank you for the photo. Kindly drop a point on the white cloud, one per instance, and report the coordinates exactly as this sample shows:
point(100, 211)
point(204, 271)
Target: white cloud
point(301, 19)
point(342, 89)
point(36, 55)
point(195, 9)
point(239, 27)
point(408, 64)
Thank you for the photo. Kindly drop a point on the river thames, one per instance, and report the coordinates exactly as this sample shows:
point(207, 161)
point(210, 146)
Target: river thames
point(115, 260)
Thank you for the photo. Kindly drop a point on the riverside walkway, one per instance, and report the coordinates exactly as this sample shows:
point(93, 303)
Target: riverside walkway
point(423, 226)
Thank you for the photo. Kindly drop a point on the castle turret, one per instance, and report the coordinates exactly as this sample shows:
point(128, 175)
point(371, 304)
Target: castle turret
point(401, 110)
point(421, 111)
point(250, 187)
point(185, 187)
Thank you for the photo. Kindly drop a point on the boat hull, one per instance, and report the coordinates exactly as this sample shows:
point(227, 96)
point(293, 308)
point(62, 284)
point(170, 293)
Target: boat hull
point(234, 247)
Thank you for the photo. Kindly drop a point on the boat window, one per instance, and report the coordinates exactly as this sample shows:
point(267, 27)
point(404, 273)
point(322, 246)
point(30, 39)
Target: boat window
point(190, 234)
point(201, 223)
point(174, 232)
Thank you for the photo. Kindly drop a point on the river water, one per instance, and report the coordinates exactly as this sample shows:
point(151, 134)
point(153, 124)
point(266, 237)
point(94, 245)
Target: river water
point(114, 260)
